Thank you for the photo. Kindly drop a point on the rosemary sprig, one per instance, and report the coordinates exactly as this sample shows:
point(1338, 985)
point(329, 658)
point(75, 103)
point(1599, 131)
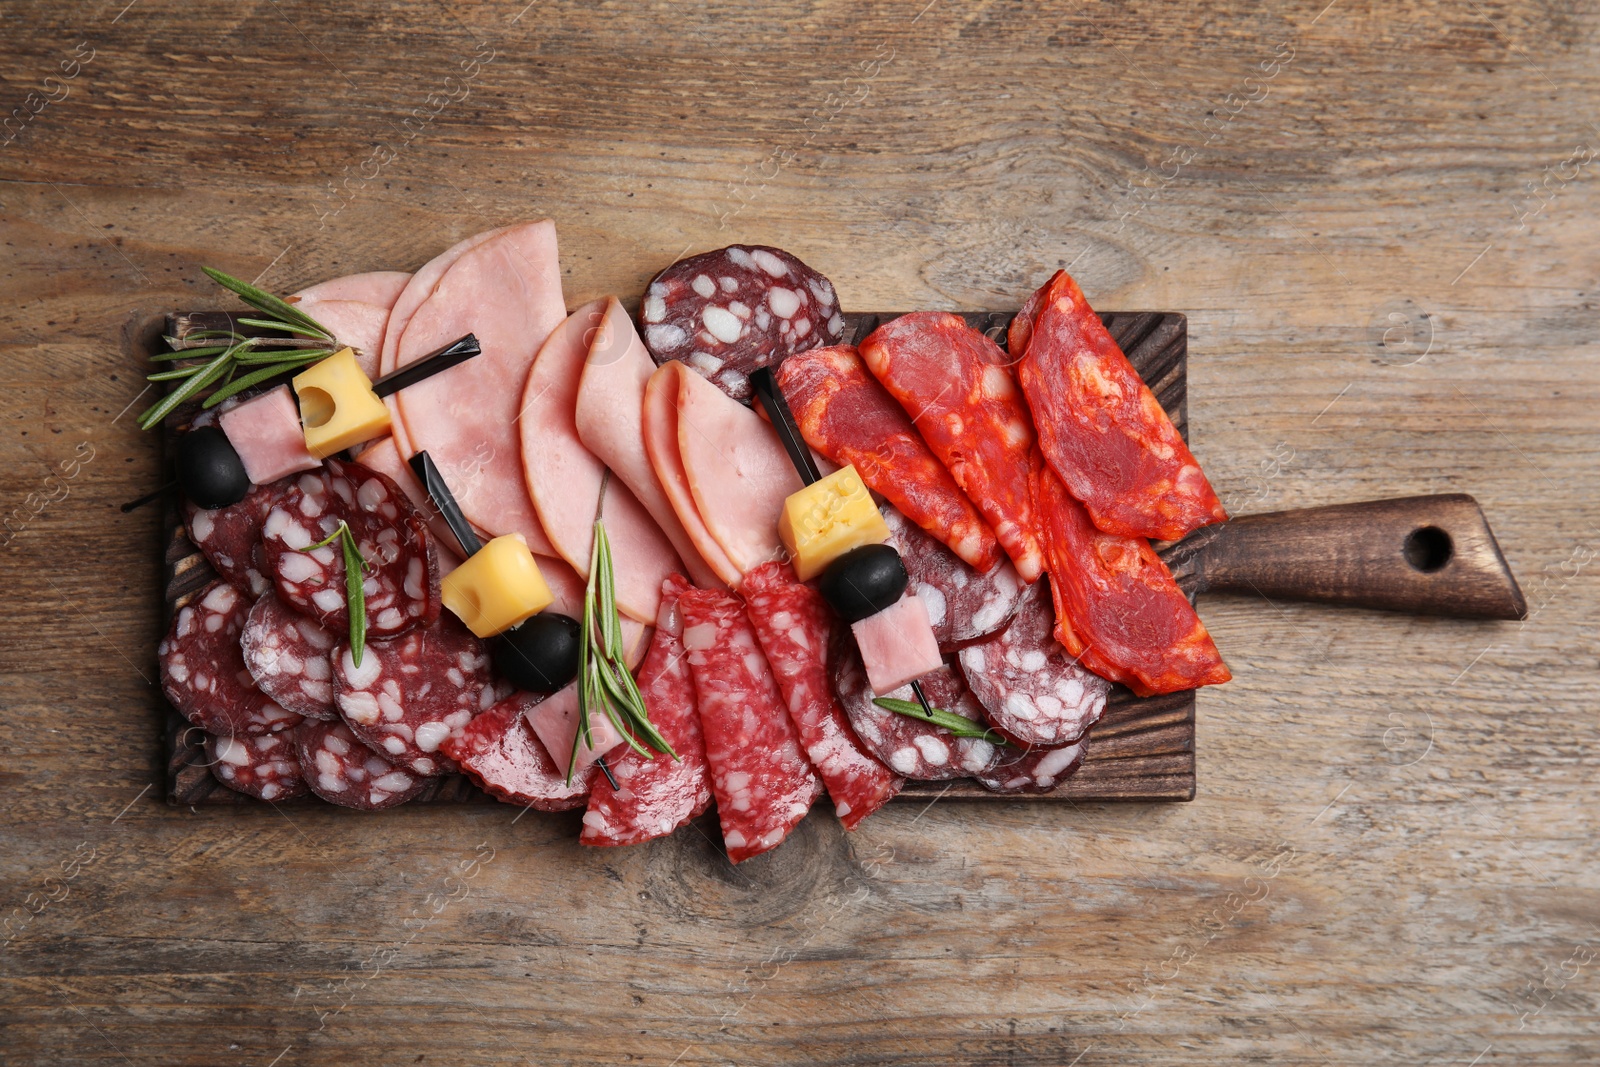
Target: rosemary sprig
point(355, 596)
point(946, 720)
point(270, 356)
point(604, 682)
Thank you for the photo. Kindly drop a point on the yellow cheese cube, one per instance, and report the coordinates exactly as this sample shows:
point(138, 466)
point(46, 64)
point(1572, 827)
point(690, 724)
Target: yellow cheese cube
point(497, 588)
point(337, 405)
point(828, 518)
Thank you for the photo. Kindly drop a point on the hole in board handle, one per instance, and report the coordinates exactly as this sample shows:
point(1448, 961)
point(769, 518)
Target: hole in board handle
point(1428, 549)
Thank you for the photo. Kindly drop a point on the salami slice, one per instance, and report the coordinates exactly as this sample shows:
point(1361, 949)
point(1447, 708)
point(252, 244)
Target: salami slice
point(847, 416)
point(964, 605)
point(909, 746)
point(230, 537)
point(202, 668)
point(1117, 608)
point(288, 655)
point(794, 626)
point(499, 751)
point(955, 384)
point(410, 694)
point(655, 795)
point(728, 312)
point(1032, 689)
point(264, 766)
point(337, 767)
point(1101, 428)
point(1032, 770)
point(763, 782)
point(402, 586)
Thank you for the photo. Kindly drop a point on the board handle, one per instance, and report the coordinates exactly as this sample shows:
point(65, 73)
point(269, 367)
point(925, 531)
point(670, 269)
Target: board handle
point(1428, 555)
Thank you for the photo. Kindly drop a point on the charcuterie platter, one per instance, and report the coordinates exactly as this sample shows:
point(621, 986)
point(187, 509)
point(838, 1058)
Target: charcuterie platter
point(747, 547)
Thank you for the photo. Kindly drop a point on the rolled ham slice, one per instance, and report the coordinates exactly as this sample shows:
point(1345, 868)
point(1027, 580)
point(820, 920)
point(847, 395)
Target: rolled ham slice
point(564, 478)
point(737, 470)
point(660, 421)
point(356, 308)
point(506, 289)
point(609, 406)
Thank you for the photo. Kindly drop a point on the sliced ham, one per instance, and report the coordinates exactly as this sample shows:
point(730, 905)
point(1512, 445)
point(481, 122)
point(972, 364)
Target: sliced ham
point(505, 287)
point(564, 477)
point(660, 422)
point(610, 400)
point(356, 308)
point(737, 470)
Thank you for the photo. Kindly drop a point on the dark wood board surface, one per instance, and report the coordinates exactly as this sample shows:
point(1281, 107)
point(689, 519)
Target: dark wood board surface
point(1142, 749)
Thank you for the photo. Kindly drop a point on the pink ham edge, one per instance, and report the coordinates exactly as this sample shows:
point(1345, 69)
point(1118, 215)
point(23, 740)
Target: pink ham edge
point(610, 407)
point(356, 309)
point(897, 644)
point(507, 291)
point(660, 420)
point(555, 721)
point(379, 287)
point(564, 478)
point(737, 471)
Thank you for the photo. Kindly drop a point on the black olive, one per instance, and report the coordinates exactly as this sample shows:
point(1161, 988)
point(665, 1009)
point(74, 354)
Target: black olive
point(540, 655)
point(210, 472)
point(863, 581)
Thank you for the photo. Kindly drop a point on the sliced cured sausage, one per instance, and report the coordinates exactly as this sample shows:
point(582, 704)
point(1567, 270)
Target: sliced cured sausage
point(264, 766)
point(656, 794)
point(955, 384)
point(660, 420)
point(737, 470)
point(413, 692)
point(402, 585)
point(794, 627)
point(964, 605)
point(506, 289)
point(1117, 608)
point(763, 782)
point(564, 478)
point(289, 656)
point(610, 424)
point(910, 746)
point(230, 537)
point(1032, 770)
point(202, 668)
point(728, 312)
point(337, 767)
point(846, 415)
point(1032, 689)
point(384, 457)
point(1101, 429)
point(498, 751)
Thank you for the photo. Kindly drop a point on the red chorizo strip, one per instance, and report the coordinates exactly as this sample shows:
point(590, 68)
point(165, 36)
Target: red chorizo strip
point(953, 382)
point(1100, 426)
point(1117, 608)
point(847, 416)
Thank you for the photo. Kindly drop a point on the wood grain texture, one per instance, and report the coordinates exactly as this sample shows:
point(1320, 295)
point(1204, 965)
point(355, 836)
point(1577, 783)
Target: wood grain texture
point(1144, 751)
point(1392, 858)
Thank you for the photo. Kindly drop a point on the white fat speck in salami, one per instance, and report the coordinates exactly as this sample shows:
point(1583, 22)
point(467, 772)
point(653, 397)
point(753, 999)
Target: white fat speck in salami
point(909, 746)
point(264, 766)
point(1031, 688)
point(402, 585)
point(202, 668)
point(1032, 770)
point(728, 312)
point(500, 752)
point(963, 604)
point(230, 537)
point(337, 767)
point(411, 694)
point(287, 654)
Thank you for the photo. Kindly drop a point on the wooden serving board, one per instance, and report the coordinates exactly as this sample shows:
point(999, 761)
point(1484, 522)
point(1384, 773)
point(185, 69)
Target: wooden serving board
point(1142, 748)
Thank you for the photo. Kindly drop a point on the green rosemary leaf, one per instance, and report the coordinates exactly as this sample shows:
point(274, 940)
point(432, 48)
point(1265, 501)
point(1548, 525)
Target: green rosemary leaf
point(946, 720)
point(174, 375)
point(199, 352)
point(165, 406)
point(287, 327)
point(265, 301)
point(354, 565)
point(241, 384)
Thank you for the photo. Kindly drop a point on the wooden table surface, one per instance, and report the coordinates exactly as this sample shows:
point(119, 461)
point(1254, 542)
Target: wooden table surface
point(1380, 220)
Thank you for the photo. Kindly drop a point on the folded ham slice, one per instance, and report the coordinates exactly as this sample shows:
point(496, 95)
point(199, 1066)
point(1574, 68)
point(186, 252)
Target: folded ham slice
point(505, 287)
point(609, 406)
point(356, 308)
point(564, 478)
point(660, 421)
